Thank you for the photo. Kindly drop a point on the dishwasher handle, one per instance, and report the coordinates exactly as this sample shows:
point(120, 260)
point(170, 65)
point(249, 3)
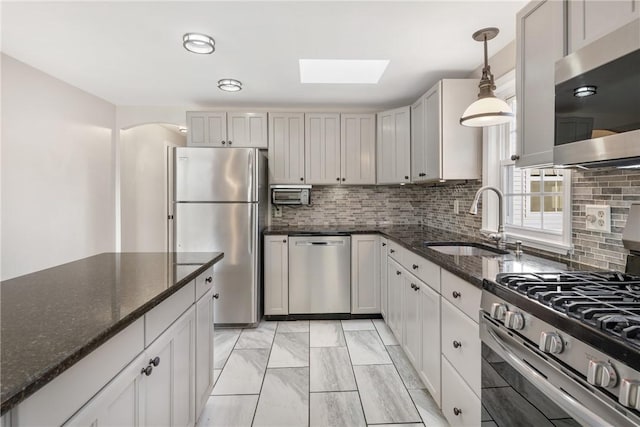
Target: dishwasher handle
point(321, 243)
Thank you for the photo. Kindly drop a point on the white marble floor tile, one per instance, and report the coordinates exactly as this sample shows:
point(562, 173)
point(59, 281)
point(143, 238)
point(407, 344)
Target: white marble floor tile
point(331, 370)
point(290, 350)
point(243, 372)
point(385, 333)
point(428, 409)
point(366, 348)
point(398, 425)
point(259, 337)
point(284, 400)
point(406, 370)
point(358, 325)
point(336, 409)
point(384, 397)
point(326, 333)
point(293, 326)
point(227, 411)
point(216, 375)
point(223, 342)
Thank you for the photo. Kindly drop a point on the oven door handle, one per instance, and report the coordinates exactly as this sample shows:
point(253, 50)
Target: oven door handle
point(578, 411)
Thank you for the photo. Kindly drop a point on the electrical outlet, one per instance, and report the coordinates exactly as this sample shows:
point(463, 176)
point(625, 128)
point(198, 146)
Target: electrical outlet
point(456, 207)
point(598, 218)
point(277, 212)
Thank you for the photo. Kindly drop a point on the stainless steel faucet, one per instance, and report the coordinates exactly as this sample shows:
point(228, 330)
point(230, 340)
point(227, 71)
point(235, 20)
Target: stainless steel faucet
point(498, 237)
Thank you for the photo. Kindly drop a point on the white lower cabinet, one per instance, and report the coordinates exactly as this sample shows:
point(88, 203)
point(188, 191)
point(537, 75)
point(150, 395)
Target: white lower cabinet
point(365, 279)
point(460, 405)
point(412, 339)
point(384, 244)
point(204, 350)
point(276, 275)
point(429, 369)
point(394, 291)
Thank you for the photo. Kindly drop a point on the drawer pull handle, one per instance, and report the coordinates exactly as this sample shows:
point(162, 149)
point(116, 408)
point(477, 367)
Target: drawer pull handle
point(457, 344)
point(456, 294)
point(457, 411)
point(415, 266)
point(209, 279)
point(155, 361)
point(147, 371)
point(398, 272)
point(216, 296)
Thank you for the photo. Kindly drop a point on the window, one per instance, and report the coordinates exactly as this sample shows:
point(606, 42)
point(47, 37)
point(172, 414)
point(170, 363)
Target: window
point(537, 201)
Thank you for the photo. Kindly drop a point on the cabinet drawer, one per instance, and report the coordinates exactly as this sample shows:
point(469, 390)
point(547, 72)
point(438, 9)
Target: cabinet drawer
point(461, 344)
point(204, 282)
point(424, 270)
point(162, 316)
point(461, 294)
point(396, 252)
point(457, 398)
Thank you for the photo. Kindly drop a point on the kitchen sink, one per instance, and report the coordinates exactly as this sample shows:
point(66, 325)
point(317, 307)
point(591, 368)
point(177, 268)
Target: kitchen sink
point(465, 249)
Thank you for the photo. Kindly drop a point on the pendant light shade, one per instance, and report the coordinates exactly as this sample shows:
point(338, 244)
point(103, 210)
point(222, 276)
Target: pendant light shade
point(487, 110)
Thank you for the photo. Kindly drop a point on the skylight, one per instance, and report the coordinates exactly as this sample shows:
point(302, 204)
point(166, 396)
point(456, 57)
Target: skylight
point(358, 71)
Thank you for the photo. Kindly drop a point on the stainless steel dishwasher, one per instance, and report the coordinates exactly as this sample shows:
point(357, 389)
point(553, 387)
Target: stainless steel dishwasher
point(319, 274)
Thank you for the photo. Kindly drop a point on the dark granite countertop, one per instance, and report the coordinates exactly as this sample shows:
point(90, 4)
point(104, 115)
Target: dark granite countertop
point(54, 317)
point(470, 268)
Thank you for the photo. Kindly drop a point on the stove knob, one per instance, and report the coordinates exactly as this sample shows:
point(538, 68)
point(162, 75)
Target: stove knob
point(498, 310)
point(630, 393)
point(601, 374)
point(514, 320)
point(551, 342)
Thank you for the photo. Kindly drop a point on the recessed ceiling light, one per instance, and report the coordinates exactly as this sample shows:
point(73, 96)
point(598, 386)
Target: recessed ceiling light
point(229, 85)
point(358, 71)
point(583, 91)
point(198, 43)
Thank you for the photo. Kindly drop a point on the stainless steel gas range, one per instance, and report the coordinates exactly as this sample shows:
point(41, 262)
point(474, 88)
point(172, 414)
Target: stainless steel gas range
point(563, 349)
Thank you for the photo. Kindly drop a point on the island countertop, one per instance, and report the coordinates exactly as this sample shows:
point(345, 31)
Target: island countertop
point(53, 318)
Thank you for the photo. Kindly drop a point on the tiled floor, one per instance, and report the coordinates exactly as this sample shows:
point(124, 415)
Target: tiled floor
point(335, 373)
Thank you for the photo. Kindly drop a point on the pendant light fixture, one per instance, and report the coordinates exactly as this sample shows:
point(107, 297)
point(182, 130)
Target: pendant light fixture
point(487, 110)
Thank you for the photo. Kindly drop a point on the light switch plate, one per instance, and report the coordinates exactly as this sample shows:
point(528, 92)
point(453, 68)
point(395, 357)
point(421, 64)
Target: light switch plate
point(598, 218)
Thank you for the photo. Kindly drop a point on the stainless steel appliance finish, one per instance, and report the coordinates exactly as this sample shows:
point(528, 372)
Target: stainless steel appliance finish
point(319, 274)
point(602, 129)
point(291, 194)
point(220, 205)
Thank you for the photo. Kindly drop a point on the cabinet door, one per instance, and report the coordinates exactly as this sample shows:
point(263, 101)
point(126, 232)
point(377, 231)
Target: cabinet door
point(247, 130)
point(322, 148)
point(118, 403)
point(204, 350)
point(286, 148)
point(206, 128)
point(395, 280)
point(540, 43)
point(169, 389)
point(411, 340)
point(394, 146)
point(418, 141)
point(433, 132)
point(383, 276)
point(276, 275)
point(365, 279)
point(460, 405)
point(430, 355)
point(589, 20)
point(358, 148)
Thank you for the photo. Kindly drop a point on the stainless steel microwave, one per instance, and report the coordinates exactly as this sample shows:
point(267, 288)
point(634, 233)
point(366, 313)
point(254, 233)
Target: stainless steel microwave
point(291, 194)
point(597, 102)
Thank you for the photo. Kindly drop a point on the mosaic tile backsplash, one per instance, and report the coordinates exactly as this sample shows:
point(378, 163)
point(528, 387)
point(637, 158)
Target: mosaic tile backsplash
point(433, 205)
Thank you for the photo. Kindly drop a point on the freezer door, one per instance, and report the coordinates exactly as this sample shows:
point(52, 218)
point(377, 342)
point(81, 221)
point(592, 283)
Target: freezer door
point(205, 174)
point(231, 228)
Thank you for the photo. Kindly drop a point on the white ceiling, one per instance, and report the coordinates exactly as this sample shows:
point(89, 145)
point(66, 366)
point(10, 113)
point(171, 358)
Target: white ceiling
point(130, 53)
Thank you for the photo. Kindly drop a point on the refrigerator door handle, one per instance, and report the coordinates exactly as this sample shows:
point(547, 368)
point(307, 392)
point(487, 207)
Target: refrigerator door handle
point(251, 228)
point(251, 184)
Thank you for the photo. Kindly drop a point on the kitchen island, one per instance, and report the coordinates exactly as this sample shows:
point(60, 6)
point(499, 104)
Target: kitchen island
point(56, 319)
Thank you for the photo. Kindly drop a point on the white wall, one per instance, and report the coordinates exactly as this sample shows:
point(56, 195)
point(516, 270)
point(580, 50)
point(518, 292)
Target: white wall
point(144, 186)
point(57, 184)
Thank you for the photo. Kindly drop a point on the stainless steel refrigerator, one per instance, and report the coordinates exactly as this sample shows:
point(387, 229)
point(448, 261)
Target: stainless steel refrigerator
point(220, 205)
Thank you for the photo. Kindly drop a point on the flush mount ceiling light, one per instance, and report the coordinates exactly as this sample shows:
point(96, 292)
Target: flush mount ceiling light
point(487, 110)
point(229, 85)
point(583, 91)
point(342, 71)
point(198, 43)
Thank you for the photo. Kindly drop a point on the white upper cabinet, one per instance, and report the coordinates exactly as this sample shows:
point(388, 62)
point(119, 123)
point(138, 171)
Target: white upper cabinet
point(540, 40)
point(220, 129)
point(394, 146)
point(358, 149)
point(442, 149)
point(590, 20)
point(322, 148)
point(286, 148)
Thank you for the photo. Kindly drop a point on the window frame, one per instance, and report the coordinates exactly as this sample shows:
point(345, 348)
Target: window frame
point(492, 174)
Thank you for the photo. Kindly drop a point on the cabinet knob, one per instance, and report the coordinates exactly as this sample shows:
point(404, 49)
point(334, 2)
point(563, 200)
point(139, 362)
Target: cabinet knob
point(422, 174)
point(230, 142)
point(414, 266)
point(147, 371)
point(209, 279)
point(344, 179)
point(515, 157)
point(392, 251)
point(384, 244)
point(456, 294)
point(398, 272)
point(406, 177)
point(416, 288)
point(457, 344)
point(284, 241)
point(155, 361)
point(337, 179)
point(301, 179)
point(457, 411)
point(216, 296)
point(224, 142)
point(413, 286)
